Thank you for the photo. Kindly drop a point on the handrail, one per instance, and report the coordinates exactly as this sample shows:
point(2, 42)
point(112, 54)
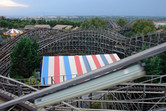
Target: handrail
point(75, 75)
point(20, 83)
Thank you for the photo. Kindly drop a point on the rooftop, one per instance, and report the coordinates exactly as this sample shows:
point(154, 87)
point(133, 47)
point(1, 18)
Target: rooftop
point(68, 27)
point(30, 27)
point(60, 27)
point(42, 26)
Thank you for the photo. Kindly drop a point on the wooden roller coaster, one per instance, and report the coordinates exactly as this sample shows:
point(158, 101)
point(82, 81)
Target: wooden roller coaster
point(90, 41)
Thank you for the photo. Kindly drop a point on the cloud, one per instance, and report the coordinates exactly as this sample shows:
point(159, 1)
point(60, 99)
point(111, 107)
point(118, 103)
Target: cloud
point(10, 3)
point(4, 8)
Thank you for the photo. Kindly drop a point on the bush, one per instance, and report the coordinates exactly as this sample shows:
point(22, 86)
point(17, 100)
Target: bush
point(33, 80)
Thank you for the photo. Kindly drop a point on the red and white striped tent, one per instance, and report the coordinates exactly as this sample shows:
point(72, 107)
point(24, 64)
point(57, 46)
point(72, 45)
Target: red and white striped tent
point(62, 68)
point(13, 32)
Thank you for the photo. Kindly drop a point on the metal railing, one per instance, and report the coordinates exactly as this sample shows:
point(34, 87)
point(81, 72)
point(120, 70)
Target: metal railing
point(37, 81)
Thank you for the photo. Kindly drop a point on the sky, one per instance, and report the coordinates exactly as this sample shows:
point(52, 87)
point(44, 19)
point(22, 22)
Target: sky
point(82, 7)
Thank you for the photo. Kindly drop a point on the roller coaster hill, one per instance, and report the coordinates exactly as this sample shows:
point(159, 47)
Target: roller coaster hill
point(131, 95)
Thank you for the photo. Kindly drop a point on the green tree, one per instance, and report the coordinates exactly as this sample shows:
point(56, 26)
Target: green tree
point(3, 23)
point(155, 65)
point(52, 23)
point(24, 58)
point(121, 22)
point(42, 21)
point(164, 28)
point(143, 27)
point(77, 24)
point(2, 18)
point(85, 24)
point(16, 26)
point(129, 34)
point(10, 25)
point(33, 21)
point(94, 23)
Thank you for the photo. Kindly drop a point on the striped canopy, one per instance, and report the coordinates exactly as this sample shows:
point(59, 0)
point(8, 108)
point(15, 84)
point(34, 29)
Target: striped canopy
point(13, 31)
point(62, 68)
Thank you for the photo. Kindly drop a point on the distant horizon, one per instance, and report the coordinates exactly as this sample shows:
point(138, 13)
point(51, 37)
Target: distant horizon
point(23, 8)
point(85, 16)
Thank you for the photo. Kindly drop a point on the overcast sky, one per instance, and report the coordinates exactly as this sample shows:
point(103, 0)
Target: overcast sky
point(83, 7)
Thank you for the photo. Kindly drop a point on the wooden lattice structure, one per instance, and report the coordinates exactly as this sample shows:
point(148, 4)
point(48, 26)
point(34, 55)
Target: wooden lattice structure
point(94, 41)
point(86, 41)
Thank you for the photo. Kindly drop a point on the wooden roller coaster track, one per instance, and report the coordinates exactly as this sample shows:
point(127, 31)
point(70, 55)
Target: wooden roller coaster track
point(89, 41)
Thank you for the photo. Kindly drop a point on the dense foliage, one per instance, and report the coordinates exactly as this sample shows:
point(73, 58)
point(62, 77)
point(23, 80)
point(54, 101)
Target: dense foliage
point(165, 28)
point(121, 22)
point(17, 23)
point(94, 23)
point(129, 34)
point(156, 65)
point(143, 27)
point(33, 80)
point(63, 22)
point(161, 27)
point(24, 58)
